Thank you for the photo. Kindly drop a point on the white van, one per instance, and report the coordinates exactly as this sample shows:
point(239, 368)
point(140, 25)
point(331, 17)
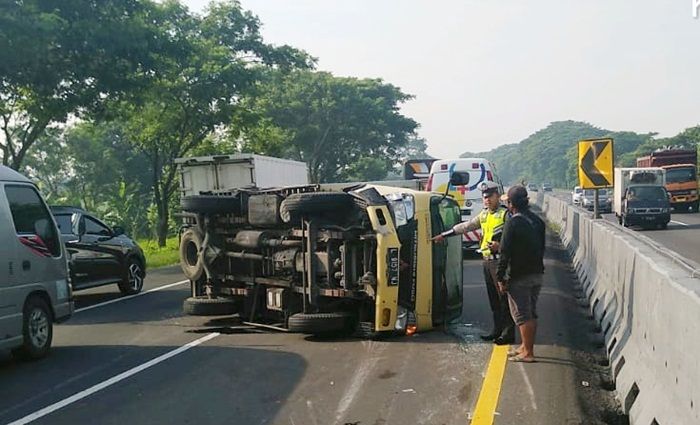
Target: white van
point(468, 197)
point(34, 287)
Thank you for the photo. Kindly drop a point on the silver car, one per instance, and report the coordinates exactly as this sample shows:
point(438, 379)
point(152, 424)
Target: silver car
point(34, 287)
point(604, 200)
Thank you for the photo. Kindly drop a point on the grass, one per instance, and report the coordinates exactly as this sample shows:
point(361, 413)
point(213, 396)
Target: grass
point(157, 256)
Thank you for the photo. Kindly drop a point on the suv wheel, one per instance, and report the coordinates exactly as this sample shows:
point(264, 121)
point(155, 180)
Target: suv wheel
point(133, 282)
point(37, 330)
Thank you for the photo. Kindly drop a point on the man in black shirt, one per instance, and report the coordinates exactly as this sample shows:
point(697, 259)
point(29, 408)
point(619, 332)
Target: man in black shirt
point(520, 268)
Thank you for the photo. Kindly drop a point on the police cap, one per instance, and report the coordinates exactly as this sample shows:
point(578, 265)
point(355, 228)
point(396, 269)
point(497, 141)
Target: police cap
point(488, 187)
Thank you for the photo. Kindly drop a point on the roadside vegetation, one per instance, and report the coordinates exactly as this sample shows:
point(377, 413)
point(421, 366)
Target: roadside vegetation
point(160, 256)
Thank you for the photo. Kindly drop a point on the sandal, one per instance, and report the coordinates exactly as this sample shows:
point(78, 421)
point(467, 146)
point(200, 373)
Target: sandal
point(518, 359)
point(513, 352)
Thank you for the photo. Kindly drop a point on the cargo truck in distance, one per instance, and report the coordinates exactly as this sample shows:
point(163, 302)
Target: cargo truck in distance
point(681, 175)
point(640, 198)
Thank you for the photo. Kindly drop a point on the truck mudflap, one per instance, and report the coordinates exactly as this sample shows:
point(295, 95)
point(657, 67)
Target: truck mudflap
point(388, 268)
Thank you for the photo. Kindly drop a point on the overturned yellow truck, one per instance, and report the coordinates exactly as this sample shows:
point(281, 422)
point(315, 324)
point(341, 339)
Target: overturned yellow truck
point(306, 260)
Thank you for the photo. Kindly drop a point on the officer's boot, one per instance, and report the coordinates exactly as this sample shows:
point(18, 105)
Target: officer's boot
point(507, 336)
point(497, 329)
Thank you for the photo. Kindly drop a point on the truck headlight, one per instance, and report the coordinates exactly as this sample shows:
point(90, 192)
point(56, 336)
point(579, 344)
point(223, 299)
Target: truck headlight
point(693, 192)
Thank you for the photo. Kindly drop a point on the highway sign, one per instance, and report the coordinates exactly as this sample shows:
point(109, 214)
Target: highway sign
point(595, 163)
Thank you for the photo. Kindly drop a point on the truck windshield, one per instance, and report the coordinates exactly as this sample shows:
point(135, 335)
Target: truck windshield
point(680, 175)
point(647, 193)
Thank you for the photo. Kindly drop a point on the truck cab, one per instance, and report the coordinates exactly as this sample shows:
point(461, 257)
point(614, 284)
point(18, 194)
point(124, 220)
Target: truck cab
point(682, 186)
point(641, 198)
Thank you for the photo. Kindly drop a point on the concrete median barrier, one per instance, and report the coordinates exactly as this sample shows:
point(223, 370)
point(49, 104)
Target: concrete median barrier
point(648, 307)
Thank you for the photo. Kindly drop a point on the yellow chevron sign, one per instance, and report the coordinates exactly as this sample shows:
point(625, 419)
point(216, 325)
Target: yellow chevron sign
point(595, 163)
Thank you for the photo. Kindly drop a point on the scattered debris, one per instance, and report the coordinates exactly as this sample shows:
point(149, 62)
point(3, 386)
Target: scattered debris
point(585, 383)
point(409, 390)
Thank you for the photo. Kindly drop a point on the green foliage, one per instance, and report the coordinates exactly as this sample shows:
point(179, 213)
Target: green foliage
point(343, 128)
point(218, 58)
point(159, 256)
point(551, 154)
point(57, 61)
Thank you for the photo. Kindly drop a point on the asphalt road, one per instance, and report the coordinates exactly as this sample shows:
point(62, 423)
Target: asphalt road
point(140, 361)
point(682, 235)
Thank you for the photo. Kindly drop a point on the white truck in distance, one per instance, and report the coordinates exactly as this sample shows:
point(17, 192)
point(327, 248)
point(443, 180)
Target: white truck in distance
point(226, 172)
point(640, 197)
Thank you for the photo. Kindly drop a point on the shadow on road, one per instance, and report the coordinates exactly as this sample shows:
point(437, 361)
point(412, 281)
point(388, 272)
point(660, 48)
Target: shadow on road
point(180, 389)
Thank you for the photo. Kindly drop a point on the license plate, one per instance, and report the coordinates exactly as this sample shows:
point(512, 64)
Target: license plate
point(649, 218)
point(393, 266)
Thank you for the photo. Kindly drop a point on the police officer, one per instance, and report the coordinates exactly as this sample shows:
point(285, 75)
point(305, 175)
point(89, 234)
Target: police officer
point(491, 221)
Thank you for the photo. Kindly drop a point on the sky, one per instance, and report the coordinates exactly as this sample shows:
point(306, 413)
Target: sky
point(489, 72)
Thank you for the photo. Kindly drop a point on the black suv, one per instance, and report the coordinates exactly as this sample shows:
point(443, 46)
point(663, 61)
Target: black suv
point(99, 255)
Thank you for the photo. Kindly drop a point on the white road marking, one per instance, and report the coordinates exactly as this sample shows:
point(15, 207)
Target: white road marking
point(128, 297)
point(111, 381)
point(528, 386)
point(678, 222)
point(361, 374)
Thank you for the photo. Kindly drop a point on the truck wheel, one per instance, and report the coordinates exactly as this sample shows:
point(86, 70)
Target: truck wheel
point(319, 323)
point(298, 204)
point(205, 306)
point(37, 330)
point(695, 206)
point(190, 244)
point(133, 282)
point(212, 204)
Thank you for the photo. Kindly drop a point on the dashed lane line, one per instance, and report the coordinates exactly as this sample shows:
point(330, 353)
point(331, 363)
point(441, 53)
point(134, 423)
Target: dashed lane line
point(128, 297)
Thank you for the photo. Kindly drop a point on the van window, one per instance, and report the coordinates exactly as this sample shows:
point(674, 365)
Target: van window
point(32, 220)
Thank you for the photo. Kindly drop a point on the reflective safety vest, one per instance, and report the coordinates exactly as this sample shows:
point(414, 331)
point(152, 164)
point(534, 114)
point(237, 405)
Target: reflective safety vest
point(491, 224)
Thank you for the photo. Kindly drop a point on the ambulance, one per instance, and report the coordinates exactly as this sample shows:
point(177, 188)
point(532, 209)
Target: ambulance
point(468, 197)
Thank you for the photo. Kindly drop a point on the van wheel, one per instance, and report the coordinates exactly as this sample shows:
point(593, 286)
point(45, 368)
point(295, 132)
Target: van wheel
point(319, 323)
point(37, 330)
point(205, 306)
point(133, 282)
point(190, 244)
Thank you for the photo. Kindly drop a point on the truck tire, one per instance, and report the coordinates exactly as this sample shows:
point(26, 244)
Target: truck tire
point(190, 244)
point(212, 204)
point(37, 330)
point(695, 206)
point(299, 204)
point(205, 306)
point(319, 323)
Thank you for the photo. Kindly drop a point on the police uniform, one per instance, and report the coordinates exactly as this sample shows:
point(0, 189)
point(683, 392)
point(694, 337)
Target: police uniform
point(491, 224)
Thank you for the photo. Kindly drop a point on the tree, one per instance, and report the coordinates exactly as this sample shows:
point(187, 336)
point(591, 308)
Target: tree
point(213, 60)
point(66, 58)
point(341, 127)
